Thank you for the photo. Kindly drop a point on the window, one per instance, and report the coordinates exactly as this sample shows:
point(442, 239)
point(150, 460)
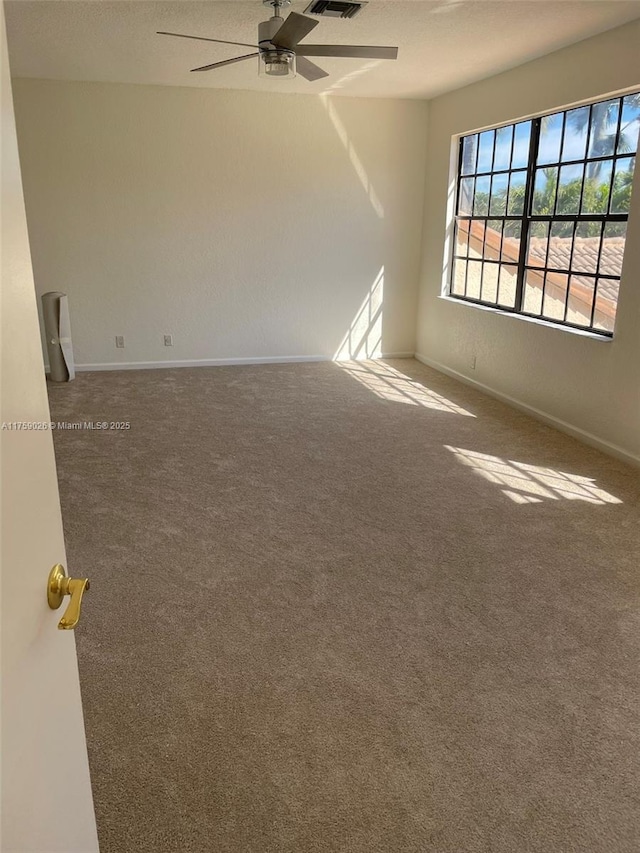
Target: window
point(541, 215)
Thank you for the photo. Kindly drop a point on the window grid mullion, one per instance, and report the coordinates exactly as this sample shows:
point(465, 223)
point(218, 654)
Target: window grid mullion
point(561, 217)
point(559, 166)
point(614, 162)
point(555, 164)
point(588, 142)
point(597, 278)
point(512, 148)
point(570, 269)
point(534, 141)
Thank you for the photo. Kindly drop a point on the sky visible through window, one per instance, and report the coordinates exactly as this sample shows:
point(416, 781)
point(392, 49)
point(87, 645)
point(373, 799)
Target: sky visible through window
point(504, 137)
point(574, 143)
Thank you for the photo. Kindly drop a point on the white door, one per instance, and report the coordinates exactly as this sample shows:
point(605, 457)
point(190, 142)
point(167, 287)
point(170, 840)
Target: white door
point(46, 792)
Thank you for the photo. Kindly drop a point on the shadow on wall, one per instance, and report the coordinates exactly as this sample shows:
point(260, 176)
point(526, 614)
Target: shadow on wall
point(528, 484)
point(363, 339)
point(356, 162)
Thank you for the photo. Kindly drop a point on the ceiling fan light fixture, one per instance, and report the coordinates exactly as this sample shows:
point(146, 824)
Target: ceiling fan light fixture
point(277, 63)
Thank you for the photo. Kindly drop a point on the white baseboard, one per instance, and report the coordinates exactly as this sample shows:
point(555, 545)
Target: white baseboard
point(197, 362)
point(216, 362)
point(538, 414)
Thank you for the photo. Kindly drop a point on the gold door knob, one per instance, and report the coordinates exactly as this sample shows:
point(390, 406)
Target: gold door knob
point(60, 585)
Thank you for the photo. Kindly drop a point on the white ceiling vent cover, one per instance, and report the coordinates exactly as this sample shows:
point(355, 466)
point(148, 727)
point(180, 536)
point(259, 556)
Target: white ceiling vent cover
point(334, 8)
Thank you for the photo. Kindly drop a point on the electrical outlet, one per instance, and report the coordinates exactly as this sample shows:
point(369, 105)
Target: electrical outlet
point(168, 340)
point(120, 341)
point(473, 362)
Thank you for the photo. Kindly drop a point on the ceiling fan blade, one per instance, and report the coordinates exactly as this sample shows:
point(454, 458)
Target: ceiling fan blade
point(202, 38)
point(309, 70)
point(225, 62)
point(295, 28)
point(350, 50)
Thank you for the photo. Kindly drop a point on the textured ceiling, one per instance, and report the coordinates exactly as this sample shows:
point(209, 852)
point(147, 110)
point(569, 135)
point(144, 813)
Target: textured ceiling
point(443, 44)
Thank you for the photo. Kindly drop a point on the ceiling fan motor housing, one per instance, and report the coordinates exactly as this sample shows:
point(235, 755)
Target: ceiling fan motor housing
point(266, 31)
point(274, 61)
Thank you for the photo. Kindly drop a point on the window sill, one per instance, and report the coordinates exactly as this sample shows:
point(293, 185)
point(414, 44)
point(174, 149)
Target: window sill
point(583, 333)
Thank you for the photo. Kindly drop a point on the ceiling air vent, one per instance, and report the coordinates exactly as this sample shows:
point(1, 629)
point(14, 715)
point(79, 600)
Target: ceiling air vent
point(334, 8)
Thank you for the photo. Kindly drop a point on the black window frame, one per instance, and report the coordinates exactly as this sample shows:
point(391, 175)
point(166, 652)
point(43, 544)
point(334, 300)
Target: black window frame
point(527, 217)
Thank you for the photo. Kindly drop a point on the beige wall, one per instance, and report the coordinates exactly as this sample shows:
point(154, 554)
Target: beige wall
point(591, 386)
point(247, 225)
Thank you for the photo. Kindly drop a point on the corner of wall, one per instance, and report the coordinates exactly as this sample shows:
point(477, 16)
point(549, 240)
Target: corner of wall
point(581, 385)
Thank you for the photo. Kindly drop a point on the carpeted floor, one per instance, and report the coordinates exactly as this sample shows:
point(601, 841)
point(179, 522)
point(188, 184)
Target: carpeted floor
point(360, 609)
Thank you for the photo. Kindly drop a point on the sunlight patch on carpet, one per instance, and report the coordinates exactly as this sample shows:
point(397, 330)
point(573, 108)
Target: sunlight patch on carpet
point(532, 483)
point(392, 385)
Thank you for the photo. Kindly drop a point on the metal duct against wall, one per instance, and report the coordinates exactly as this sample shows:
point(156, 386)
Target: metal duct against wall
point(57, 328)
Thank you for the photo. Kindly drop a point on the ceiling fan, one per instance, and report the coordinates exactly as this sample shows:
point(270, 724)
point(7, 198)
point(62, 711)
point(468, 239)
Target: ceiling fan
point(280, 53)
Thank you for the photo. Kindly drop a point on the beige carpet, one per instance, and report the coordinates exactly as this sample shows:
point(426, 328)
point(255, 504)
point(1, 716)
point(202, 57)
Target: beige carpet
point(360, 609)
